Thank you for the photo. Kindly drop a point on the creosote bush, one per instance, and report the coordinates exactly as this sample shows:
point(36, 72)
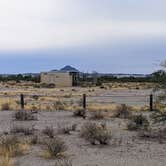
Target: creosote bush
point(138, 122)
point(159, 117)
point(96, 133)
point(49, 131)
point(122, 111)
point(97, 115)
point(24, 115)
point(56, 148)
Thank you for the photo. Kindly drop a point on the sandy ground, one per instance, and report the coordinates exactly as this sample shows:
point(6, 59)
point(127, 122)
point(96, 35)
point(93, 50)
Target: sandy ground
point(125, 148)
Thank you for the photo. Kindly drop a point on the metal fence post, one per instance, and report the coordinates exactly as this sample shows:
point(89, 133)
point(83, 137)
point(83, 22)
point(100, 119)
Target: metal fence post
point(84, 101)
point(151, 102)
point(22, 101)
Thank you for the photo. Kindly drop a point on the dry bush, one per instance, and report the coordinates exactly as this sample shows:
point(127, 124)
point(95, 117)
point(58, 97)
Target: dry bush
point(5, 107)
point(155, 135)
point(11, 146)
point(34, 140)
point(159, 117)
point(56, 148)
point(49, 131)
point(59, 105)
point(22, 129)
point(97, 115)
point(64, 162)
point(96, 133)
point(138, 122)
point(6, 161)
point(122, 111)
point(67, 129)
point(24, 115)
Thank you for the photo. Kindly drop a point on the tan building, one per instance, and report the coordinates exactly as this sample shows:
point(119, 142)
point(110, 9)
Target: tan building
point(61, 78)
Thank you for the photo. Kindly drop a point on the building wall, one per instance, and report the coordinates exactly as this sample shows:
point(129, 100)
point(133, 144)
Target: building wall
point(59, 79)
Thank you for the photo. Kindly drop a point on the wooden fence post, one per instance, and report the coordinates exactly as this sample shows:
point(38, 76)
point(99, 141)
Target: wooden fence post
point(84, 101)
point(151, 102)
point(22, 101)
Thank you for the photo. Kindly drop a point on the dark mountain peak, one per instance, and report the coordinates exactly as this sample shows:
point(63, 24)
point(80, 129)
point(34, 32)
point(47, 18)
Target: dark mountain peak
point(69, 68)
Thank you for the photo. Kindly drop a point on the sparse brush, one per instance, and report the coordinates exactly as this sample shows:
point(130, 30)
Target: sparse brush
point(96, 133)
point(24, 115)
point(63, 162)
point(21, 129)
point(56, 148)
point(58, 105)
point(10, 146)
point(159, 117)
point(5, 106)
point(34, 140)
point(97, 115)
point(49, 131)
point(6, 161)
point(155, 135)
point(138, 122)
point(67, 129)
point(122, 111)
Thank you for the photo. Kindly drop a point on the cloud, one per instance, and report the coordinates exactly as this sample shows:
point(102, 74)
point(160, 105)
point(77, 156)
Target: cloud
point(60, 24)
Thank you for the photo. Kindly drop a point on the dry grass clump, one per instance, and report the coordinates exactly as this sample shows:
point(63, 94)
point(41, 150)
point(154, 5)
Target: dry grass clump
point(22, 129)
point(6, 161)
point(97, 115)
point(11, 146)
point(96, 133)
point(59, 105)
point(5, 106)
point(24, 115)
point(49, 131)
point(138, 122)
point(67, 129)
point(56, 148)
point(122, 111)
point(64, 162)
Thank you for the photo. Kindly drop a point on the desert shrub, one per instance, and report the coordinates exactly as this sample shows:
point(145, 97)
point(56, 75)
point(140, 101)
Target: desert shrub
point(21, 129)
point(96, 133)
point(34, 140)
point(64, 162)
point(96, 115)
point(58, 105)
point(24, 115)
point(67, 129)
point(79, 113)
point(122, 111)
point(138, 122)
point(158, 117)
point(10, 146)
point(56, 147)
point(49, 131)
point(5, 106)
point(35, 97)
point(154, 135)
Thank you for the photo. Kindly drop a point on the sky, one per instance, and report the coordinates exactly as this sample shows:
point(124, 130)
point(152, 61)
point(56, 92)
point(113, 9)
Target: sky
point(109, 36)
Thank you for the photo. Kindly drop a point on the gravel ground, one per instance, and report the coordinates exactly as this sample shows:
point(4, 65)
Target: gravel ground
point(125, 148)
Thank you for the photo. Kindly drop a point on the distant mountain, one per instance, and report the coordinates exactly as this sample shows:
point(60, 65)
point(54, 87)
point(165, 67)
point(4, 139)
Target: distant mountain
point(69, 69)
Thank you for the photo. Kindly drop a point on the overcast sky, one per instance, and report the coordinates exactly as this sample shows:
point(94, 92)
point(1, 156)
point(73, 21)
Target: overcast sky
point(126, 36)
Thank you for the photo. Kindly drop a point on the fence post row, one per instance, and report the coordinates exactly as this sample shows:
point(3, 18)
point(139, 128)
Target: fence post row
point(151, 102)
point(84, 101)
point(22, 101)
